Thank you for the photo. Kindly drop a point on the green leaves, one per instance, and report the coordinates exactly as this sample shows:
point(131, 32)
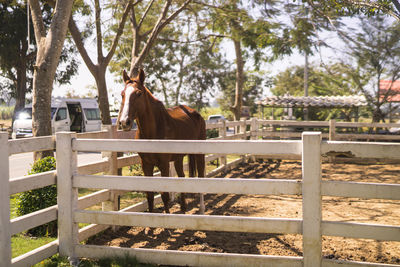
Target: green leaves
point(41, 198)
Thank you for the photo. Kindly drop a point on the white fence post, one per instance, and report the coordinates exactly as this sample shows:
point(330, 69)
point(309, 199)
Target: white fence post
point(67, 196)
point(253, 135)
point(312, 206)
point(332, 130)
point(222, 133)
point(5, 229)
point(113, 203)
point(243, 129)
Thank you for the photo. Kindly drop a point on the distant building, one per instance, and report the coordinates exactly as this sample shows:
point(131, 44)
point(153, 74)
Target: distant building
point(390, 89)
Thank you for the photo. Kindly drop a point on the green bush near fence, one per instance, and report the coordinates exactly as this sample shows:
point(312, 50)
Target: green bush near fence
point(6, 113)
point(38, 199)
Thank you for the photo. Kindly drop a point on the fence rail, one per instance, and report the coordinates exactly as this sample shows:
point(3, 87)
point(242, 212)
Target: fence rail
point(109, 164)
point(311, 226)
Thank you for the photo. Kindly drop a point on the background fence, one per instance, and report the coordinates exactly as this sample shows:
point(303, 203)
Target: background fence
point(310, 149)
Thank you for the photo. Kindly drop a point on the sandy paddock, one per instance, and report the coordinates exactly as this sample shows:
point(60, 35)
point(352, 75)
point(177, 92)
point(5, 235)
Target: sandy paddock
point(334, 209)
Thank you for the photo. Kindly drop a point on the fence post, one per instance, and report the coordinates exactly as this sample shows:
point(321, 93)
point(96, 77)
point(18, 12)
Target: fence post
point(253, 134)
point(243, 128)
point(222, 133)
point(5, 229)
point(112, 159)
point(332, 130)
point(67, 196)
point(312, 206)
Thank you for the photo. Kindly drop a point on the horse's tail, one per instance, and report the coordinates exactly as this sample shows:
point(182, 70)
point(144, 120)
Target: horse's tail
point(192, 165)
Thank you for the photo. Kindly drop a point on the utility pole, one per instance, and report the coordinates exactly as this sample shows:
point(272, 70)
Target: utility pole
point(305, 109)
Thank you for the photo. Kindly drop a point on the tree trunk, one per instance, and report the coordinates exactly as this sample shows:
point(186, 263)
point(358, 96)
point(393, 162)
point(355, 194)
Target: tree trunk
point(103, 96)
point(41, 106)
point(236, 108)
point(48, 54)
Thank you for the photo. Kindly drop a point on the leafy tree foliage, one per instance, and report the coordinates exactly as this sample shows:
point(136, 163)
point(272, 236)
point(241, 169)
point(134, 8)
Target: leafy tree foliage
point(255, 82)
point(374, 51)
point(99, 70)
point(17, 57)
point(182, 65)
point(329, 80)
point(365, 7)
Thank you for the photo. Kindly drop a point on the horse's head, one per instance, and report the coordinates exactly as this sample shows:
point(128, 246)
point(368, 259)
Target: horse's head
point(132, 99)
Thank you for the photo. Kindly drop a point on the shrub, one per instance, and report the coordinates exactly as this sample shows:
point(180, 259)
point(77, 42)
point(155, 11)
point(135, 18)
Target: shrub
point(211, 133)
point(6, 113)
point(41, 198)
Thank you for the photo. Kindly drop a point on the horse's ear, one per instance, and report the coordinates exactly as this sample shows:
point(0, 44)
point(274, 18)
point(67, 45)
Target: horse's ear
point(125, 76)
point(141, 76)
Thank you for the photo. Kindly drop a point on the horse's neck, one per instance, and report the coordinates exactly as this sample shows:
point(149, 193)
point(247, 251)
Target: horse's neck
point(151, 122)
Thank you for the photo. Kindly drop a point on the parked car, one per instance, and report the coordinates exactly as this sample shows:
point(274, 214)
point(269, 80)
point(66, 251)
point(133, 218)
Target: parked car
point(77, 115)
point(216, 118)
point(395, 130)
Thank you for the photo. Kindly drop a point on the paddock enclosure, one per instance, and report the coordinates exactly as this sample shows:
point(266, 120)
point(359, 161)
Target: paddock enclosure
point(311, 149)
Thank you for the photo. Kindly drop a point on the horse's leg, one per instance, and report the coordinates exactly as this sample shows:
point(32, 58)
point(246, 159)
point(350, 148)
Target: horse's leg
point(148, 171)
point(179, 170)
point(164, 168)
point(201, 165)
point(192, 173)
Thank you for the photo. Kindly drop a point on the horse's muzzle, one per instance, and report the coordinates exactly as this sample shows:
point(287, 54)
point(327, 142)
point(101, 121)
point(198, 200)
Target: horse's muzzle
point(126, 125)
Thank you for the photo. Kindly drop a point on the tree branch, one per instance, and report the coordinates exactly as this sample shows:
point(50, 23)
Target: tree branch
point(76, 35)
point(99, 35)
point(396, 5)
point(196, 40)
point(145, 13)
point(40, 30)
point(173, 15)
point(119, 33)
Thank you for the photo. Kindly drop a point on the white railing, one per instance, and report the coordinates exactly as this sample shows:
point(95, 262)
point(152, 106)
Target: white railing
point(111, 163)
point(35, 181)
point(311, 226)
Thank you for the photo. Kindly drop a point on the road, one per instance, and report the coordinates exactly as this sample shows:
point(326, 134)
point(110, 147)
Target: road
point(20, 164)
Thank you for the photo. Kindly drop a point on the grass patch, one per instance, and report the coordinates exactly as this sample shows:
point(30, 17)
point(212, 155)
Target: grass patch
point(58, 261)
point(21, 244)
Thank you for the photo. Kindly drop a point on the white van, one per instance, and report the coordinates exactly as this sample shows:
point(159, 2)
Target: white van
point(67, 114)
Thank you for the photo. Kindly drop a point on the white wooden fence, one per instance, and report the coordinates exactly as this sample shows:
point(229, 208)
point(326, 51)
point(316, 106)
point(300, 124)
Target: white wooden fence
point(110, 164)
point(71, 211)
point(311, 147)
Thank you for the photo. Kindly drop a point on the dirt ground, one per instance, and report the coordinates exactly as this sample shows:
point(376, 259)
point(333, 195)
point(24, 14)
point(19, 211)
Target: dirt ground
point(334, 209)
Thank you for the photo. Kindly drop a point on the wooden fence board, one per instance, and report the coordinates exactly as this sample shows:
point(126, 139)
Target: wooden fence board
point(30, 182)
point(187, 258)
point(36, 255)
point(31, 144)
point(361, 190)
point(33, 219)
point(312, 200)
point(191, 222)
point(290, 147)
point(361, 230)
point(190, 185)
point(361, 149)
point(5, 227)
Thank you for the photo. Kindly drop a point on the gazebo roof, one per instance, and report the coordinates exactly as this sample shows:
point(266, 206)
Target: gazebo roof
point(314, 101)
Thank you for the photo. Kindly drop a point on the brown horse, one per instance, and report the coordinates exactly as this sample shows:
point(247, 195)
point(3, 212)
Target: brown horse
point(154, 121)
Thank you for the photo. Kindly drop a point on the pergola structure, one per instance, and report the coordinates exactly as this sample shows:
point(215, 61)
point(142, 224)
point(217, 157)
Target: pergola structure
point(289, 102)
